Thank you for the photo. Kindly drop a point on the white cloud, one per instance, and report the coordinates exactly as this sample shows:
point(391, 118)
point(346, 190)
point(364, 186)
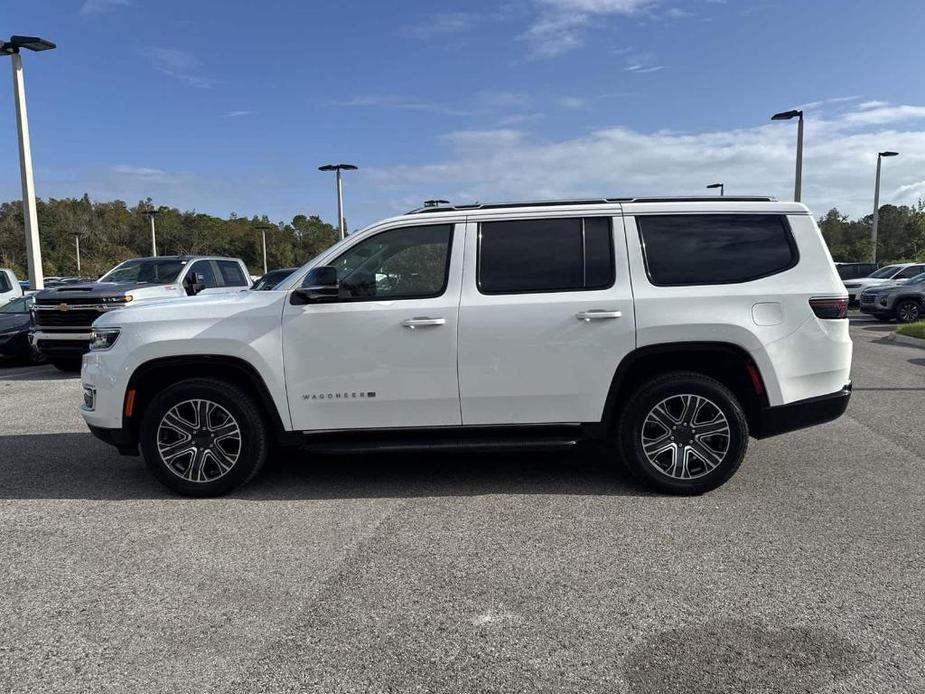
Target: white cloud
point(236, 114)
point(102, 6)
point(442, 24)
point(509, 164)
point(573, 103)
point(180, 64)
point(643, 69)
point(883, 113)
point(871, 104)
point(561, 24)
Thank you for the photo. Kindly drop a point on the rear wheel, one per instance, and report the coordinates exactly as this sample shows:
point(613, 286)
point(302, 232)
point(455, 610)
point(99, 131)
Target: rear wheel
point(908, 311)
point(203, 437)
point(683, 433)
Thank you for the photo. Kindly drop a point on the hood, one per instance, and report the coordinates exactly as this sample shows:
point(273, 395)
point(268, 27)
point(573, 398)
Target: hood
point(203, 306)
point(99, 290)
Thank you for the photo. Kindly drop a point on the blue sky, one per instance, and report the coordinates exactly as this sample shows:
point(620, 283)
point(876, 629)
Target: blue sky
point(226, 105)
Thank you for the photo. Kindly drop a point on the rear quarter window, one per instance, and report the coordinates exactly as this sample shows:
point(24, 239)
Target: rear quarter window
point(682, 250)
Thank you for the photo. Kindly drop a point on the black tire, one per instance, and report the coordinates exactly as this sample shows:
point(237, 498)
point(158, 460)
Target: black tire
point(202, 459)
point(726, 451)
point(68, 366)
point(909, 311)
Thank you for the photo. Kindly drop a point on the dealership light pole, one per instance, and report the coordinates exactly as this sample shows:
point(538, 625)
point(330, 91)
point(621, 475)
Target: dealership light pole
point(341, 225)
point(263, 230)
point(30, 213)
point(876, 221)
point(77, 245)
point(798, 184)
point(151, 212)
point(721, 186)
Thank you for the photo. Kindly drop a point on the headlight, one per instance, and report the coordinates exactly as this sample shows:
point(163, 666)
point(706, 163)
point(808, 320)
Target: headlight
point(117, 299)
point(103, 338)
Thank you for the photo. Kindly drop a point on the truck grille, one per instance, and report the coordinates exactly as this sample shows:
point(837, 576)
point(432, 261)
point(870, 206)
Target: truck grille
point(55, 315)
point(867, 298)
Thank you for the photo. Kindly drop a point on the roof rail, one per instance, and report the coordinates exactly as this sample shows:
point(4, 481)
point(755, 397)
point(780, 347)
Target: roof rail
point(428, 209)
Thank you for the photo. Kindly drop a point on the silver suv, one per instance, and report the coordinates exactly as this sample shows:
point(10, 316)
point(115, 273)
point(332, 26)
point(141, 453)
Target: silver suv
point(903, 302)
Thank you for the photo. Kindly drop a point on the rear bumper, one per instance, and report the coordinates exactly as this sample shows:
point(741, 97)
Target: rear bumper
point(802, 414)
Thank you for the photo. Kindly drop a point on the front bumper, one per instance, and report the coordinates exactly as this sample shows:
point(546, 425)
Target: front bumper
point(801, 414)
point(60, 344)
point(123, 439)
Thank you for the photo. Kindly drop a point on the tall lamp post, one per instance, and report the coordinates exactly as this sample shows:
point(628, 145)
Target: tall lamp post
point(77, 246)
point(263, 230)
point(150, 212)
point(341, 226)
point(798, 184)
point(30, 214)
point(721, 186)
point(876, 221)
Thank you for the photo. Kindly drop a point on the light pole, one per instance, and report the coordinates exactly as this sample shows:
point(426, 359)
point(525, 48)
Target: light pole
point(150, 213)
point(798, 184)
point(30, 213)
point(263, 230)
point(77, 245)
point(721, 186)
point(876, 221)
point(341, 228)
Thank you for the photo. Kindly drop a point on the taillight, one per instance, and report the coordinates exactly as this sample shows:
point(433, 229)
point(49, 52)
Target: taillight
point(829, 308)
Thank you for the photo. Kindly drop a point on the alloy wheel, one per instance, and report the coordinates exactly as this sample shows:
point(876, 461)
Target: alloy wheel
point(908, 312)
point(685, 436)
point(199, 440)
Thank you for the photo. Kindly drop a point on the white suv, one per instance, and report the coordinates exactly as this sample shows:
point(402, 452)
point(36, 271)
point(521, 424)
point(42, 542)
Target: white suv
point(673, 328)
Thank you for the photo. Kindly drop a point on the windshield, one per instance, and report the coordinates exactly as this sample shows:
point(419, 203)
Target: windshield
point(271, 279)
point(146, 271)
point(887, 271)
point(918, 279)
point(20, 305)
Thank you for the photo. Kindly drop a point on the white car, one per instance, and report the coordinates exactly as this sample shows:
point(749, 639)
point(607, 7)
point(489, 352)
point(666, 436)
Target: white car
point(672, 328)
point(9, 286)
point(888, 274)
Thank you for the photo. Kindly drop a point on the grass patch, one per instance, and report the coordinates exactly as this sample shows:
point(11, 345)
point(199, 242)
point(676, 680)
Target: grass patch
point(912, 330)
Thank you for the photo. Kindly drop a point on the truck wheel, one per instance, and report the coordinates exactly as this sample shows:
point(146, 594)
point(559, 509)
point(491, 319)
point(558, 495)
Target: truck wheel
point(203, 437)
point(908, 311)
point(66, 365)
point(683, 433)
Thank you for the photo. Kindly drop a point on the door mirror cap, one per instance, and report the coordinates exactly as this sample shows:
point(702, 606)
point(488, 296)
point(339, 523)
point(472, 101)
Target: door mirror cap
point(320, 285)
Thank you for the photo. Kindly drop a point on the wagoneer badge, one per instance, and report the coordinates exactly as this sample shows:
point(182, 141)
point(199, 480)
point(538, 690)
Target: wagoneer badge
point(339, 396)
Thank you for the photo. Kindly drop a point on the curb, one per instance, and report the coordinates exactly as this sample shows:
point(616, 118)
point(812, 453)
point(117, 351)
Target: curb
point(906, 340)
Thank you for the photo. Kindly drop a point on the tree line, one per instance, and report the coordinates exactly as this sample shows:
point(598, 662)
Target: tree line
point(111, 232)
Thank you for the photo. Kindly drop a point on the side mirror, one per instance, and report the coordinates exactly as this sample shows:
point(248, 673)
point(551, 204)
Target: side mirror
point(195, 283)
point(320, 285)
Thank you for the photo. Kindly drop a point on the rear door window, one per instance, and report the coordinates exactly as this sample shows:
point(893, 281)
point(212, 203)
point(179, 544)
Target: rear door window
point(232, 276)
point(545, 255)
point(715, 248)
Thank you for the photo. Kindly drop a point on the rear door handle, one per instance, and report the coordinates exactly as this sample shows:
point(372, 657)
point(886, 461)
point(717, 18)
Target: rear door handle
point(597, 314)
point(422, 322)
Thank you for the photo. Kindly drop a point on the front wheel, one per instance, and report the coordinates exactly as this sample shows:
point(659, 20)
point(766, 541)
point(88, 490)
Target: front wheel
point(683, 433)
point(203, 437)
point(908, 311)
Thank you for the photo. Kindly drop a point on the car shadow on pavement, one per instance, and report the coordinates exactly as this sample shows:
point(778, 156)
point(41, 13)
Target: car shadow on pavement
point(77, 466)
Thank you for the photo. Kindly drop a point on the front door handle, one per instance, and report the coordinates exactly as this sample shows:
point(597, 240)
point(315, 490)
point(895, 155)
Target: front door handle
point(422, 322)
point(597, 314)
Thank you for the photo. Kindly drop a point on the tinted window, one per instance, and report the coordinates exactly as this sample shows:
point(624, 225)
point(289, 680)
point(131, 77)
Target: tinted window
point(542, 255)
point(406, 263)
point(910, 271)
point(4, 283)
point(232, 275)
point(886, 271)
point(203, 268)
point(270, 280)
point(715, 249)
point(20, 305)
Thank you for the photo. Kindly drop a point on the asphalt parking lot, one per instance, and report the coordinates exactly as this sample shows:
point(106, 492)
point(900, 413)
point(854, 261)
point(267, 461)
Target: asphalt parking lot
point(805, 573)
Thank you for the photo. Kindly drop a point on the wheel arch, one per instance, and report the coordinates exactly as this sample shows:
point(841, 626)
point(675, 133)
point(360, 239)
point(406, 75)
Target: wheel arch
point(726, 362)
point(153, 376)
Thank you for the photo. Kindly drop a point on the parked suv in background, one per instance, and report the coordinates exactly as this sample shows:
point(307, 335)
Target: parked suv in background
point(64, 314)
point(672, 328)
point(888, 273)
point(904, 301)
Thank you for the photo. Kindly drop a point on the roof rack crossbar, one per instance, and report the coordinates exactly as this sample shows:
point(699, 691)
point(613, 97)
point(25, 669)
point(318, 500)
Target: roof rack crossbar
point(591, 201)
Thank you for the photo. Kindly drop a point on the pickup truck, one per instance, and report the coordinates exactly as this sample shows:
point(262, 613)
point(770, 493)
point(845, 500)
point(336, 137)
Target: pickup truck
point(9, 286)
point(64, 315)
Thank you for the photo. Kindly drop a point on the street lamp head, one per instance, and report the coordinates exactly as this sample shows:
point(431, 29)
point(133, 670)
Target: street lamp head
point(32, 43)
point(787, 115)
point(337, 167)
point(715, 185)
point(888, 154)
